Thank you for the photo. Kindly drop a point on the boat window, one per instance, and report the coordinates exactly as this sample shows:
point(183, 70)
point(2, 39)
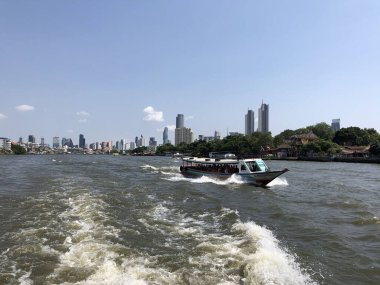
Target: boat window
point(262, 165)
point(243, 167)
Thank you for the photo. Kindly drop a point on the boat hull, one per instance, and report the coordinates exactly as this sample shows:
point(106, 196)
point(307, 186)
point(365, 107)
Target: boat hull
point(256, 178)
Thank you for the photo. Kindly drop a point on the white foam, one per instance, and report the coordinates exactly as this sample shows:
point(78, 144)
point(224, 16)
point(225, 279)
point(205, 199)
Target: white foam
point(149, 167)
point(279, 181)
point(266, 261)
point(234, 179)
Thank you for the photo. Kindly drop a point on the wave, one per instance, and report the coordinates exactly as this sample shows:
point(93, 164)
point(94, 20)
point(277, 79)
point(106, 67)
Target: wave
point(234, 179)
point(279, 181)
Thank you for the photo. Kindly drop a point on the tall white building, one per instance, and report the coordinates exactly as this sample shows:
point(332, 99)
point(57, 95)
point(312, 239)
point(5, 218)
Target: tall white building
point(183, 135)
point(263, 114)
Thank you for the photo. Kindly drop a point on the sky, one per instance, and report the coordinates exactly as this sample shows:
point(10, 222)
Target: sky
point(121, 69)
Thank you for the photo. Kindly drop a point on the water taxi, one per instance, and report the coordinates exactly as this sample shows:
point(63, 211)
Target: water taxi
point(252, 170)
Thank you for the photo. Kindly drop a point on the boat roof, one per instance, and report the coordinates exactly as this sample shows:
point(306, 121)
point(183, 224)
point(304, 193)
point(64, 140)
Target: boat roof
point(206, 160)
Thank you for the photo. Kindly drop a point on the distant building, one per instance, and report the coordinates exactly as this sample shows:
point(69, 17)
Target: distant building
point(263, 114)
point(55, 142)
point(152, 142)
point(132, 146)
point(249, 122)
point(67, 142)
point(140, 142)
point(335, 125)
point(217, 135)
point(31, 139)
point(42, 142)
point(183, 135)
point(20, 141)
point(82, 141)
point(5, 144)
point(180, 121)
point(165, 136)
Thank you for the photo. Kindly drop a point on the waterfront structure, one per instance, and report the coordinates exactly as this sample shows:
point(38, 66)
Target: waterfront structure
point(249, 122)
point(165, 136)
point(183, 135)
point(82, 141)
point(263, 114)
point(180, 121)
point(5, 144)
point(55, 142)
point(31, 139)
point(335, 125)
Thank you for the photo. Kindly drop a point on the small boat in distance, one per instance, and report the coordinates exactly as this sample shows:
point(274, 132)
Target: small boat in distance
point(252, 170)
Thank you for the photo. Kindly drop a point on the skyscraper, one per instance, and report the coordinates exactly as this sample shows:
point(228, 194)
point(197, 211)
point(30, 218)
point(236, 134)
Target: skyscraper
point(31, 139)
point(183, 135)
point(82, 141)
point(249, 122)
point(42, 142)
point(165, 136)
point(263, 114)
point(55, 142)
point(180, 121)
point(335, 125)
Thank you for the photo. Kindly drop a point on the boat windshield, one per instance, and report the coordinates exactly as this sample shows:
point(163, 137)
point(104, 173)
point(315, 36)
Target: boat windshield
point(257, 165)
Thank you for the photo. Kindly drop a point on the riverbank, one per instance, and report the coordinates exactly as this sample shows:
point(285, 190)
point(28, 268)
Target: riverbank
point(333, 159)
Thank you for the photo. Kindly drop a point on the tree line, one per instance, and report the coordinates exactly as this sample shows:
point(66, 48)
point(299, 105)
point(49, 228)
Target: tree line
point(327, 143)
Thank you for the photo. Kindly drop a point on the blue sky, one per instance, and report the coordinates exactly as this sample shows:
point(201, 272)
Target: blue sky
point(118, 69)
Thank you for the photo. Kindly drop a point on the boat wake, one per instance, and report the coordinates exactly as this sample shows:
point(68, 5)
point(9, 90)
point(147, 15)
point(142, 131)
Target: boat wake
point(279, 181)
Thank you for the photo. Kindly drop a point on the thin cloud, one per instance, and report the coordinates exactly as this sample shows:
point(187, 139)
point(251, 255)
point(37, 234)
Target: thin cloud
point(171, 128)
point(153, 116)
point(83, 114)
point(2, 116)
point(70, 131)
point(24, 108)
point(189, 118)
point(83, 120)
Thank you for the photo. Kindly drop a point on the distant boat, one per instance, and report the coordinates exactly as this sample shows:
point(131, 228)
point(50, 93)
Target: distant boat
point(177, 155)
point(253, 170)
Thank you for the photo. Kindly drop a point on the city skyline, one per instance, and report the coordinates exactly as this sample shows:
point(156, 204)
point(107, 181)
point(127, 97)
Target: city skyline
point(121, 70)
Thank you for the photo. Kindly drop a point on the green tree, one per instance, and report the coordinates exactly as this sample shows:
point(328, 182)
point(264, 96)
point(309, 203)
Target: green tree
point(322, 131)
point(18, 149)
point(282, 137)
point(352, 136)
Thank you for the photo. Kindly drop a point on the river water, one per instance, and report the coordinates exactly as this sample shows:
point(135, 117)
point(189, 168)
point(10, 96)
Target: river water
point(76, 219)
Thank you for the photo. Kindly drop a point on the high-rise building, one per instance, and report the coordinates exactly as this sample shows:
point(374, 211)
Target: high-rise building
point(180, 121)
point(263, 114)
point(67, 142)
point(20, 140)
point(152, 141)
point(55, 142)
point(217, 135)
point(249, 122)
point(165, 136)
point(82, 141)
point(31, 139)
point(42, 142)
point(183, 135)
point(335, 125)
